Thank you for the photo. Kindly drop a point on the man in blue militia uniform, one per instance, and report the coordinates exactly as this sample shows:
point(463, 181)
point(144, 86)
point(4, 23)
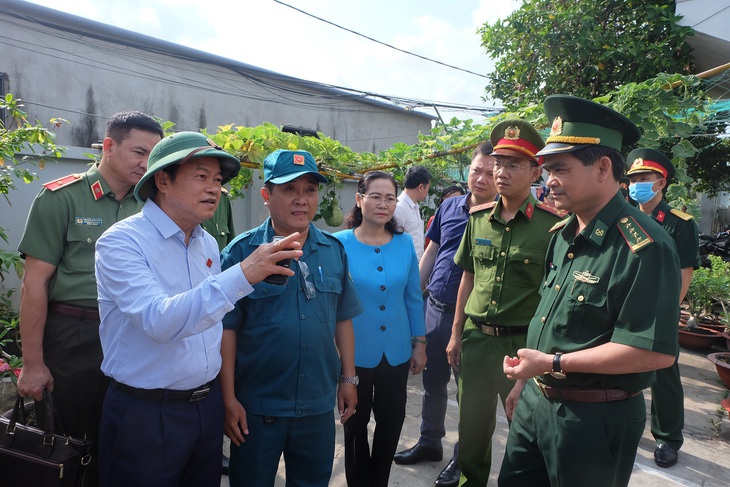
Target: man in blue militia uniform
point(281, 367)
point(605, 321)
point(440, 276)
point(502, 254)
point(650, 173)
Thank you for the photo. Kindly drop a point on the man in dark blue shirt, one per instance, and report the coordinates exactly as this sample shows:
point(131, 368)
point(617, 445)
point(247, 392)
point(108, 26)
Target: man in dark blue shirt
point(440, 276)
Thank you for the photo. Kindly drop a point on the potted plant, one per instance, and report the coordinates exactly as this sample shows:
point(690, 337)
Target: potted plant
point(722, 365)
point(704, 289)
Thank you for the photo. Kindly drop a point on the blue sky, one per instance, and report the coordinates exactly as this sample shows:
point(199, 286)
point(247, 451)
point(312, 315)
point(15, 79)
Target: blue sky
point(272, 36)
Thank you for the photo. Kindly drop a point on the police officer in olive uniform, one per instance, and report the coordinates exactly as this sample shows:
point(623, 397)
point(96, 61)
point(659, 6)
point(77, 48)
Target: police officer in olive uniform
point(59, 318)
point(650, 173)
point(502, 253)
point(604, 322)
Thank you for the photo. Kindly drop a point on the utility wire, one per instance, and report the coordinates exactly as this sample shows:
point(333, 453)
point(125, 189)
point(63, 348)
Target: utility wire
point(380, 42)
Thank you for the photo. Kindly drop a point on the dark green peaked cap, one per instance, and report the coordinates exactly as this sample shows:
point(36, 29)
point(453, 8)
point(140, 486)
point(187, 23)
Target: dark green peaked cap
point(650, 160)
point(578, 123)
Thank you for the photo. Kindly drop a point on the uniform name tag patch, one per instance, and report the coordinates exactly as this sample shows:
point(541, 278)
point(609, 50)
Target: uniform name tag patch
point(483, 241)
point(87, 221)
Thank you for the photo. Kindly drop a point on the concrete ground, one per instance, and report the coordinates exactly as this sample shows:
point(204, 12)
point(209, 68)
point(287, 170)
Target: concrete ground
point(704, 460)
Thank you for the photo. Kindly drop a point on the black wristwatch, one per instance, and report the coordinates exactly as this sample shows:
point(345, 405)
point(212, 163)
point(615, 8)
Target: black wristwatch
point(557, 371)
point(354, 380)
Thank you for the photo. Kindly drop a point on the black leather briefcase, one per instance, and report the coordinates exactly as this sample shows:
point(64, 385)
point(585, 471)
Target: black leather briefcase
point(39, 456)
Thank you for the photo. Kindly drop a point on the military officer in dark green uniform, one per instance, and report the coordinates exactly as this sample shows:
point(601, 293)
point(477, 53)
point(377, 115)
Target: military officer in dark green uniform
point(607, 316)
point(59, 317)
point(650, 173)
point(502, 253)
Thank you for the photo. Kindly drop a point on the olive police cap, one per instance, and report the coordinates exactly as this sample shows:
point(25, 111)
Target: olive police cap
point(282, 166)
point(578, 123)
point(516, 138)
point(178, 149)
point(650, 160)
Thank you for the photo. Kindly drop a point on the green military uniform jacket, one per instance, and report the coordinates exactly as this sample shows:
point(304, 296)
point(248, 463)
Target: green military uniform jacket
point(617, 281)
point(220, 225)
point(506, 259)
point(683, 230)
point(66, 219)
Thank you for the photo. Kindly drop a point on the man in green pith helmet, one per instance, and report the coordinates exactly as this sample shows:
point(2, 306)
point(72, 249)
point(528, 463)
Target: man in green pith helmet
point(604, 322)
point(650, 173)
point(502, 253)
point(59, 315)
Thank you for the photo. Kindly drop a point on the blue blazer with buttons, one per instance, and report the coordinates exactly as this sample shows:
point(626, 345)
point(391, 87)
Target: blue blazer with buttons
point(387, 281)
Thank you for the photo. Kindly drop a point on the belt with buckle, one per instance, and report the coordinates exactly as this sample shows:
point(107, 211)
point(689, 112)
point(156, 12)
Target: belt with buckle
point(443, 307)
point(571, 394)
point(498, 331)
point(80, 312)
point(164, 395)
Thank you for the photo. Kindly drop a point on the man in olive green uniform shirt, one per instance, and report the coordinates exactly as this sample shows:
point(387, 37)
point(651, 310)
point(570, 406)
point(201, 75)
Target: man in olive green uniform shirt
point(502, 253)
point(607, 316)
point(59, 317)
point(650, 173)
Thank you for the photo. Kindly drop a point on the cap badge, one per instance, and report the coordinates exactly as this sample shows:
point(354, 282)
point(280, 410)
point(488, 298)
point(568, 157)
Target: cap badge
point(557, 127)
point(512, 133)
point(298, 159)
point(638, 162)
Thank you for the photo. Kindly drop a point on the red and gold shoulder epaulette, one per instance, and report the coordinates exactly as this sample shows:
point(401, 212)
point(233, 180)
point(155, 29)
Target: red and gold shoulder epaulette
point(684, 216)
point(560, 224)
point(635, 236)
point(551, 209)
point(62, 182)
point(484, 206)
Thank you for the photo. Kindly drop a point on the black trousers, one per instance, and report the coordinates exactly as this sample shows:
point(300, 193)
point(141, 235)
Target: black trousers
point(72, 352)
point(382, 390)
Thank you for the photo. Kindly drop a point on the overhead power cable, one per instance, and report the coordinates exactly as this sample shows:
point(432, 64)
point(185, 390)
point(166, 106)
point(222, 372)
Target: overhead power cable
point(380, 42)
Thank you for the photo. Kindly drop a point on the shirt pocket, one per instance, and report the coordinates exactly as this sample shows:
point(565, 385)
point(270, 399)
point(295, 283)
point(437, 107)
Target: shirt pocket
point(485, 265)
point(80, 246)
point(264, 306)
point(525, 268)
point(329, 288)
point(587, 312)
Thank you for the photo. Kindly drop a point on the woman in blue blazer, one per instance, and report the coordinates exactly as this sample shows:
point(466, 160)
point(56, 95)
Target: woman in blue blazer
point(389, 334)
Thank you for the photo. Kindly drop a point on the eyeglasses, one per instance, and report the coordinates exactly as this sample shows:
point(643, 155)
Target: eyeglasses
point(307, 286)
point(509, 166)
point(378, 199)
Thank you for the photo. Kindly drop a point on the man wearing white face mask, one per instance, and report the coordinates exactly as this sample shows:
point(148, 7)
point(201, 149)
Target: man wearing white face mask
point(650, 172)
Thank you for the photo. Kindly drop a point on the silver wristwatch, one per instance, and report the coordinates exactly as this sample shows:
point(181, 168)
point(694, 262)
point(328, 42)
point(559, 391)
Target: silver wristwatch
point(354, 380)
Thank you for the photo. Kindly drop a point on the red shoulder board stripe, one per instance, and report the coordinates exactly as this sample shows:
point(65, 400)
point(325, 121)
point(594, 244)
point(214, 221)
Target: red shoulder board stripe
point(485, 206)
point(62, 182)
point(551, 209)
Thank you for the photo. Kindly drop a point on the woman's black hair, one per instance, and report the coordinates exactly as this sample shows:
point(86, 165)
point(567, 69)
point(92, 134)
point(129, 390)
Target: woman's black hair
point(354, 219)
point(451, 189)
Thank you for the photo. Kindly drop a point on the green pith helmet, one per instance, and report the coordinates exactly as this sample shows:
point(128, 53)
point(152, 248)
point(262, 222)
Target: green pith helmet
point(650, 160)
point(516, 138)
point(178, 149)
point(578, 123)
